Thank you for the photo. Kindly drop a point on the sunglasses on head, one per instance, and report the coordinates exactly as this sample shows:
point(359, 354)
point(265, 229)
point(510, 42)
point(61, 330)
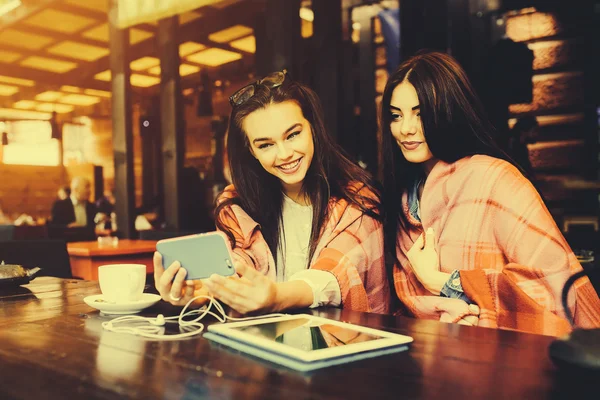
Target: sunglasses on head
point(270, 81)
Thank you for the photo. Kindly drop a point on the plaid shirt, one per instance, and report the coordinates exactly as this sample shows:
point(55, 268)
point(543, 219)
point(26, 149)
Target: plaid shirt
point(493, 227)
point(351, 248)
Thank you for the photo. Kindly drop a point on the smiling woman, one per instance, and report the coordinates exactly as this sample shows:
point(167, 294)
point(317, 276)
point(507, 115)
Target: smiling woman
point(468, 236)
point(302, 219)
point(284, 151)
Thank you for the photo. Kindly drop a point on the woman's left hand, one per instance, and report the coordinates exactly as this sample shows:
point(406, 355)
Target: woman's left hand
point(252, 292)
point(426, 264)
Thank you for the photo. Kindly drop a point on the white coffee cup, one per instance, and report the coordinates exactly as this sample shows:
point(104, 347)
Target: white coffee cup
point(122, 283)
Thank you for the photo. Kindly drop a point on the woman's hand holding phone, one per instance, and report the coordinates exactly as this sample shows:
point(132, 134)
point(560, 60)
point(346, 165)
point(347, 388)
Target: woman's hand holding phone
point(173, 287)
point(251, 292)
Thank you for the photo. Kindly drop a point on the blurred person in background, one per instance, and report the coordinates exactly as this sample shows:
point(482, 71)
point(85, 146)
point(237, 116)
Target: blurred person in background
point(63, 192)
point(76, 210)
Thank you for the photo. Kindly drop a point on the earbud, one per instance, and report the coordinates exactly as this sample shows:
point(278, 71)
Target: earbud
point(158, 321)
point(193, 326)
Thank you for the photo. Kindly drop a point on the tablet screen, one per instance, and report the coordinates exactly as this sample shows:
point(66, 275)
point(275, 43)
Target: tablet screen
point(308, 335)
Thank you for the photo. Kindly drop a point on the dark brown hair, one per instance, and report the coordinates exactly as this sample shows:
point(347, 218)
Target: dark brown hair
point(454, 124)
point(329, 175)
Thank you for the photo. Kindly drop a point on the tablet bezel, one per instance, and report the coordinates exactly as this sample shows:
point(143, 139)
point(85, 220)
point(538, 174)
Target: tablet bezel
point(388, 339)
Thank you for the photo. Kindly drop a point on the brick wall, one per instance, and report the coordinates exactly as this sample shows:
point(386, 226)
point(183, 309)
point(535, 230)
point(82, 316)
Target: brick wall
point(560, 153)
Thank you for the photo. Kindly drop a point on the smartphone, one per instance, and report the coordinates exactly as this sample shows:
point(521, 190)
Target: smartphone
point(201, 255)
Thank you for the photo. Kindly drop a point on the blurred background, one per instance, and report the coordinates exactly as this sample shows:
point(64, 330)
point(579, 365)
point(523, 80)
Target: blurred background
point(133, 94)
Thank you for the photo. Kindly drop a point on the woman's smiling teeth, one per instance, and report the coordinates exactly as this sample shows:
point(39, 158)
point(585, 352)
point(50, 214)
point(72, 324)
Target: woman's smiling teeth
point(290, 167)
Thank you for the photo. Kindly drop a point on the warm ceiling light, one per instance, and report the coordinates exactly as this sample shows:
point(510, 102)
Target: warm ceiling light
point(9, 113)
point(188, 48)
point(144, 63)
point(138, 35)
point(69, 23)
point(48, 96)
point(8, 56)
point(25, 104)
point(188, 17)
point(184, 70)
point(48, 64)
point(101, 33)
point(78, 51)
point(27, 41)
point(247, 44)
point(214, 57)
point(143, 80)
point(8, 6)
point(103, 76)
point(307, 14)
point(52, 107)
point(135, 79)
point(6, 90)
point(79, 100)
point(70, 89)
point(229, 34)
point(99, 93)
point(17, 81)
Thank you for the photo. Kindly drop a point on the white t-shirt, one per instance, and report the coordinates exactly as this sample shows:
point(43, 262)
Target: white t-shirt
point(292, 255)
point(80, 211)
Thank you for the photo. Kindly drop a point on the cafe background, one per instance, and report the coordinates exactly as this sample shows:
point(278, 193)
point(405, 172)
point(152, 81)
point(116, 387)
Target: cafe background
point(131, 95)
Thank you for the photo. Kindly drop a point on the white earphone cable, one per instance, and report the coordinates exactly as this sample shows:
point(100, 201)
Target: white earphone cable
point(155, 329)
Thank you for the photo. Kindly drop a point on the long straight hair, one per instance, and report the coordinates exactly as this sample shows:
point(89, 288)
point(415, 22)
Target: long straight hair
point(454, 124)
point(260, 194)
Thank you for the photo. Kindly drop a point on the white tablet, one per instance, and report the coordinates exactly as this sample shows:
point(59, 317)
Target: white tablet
point(305, 342)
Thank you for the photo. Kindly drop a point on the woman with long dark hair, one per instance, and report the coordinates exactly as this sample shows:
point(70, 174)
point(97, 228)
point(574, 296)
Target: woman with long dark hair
point(468, 238)
point(304, 222)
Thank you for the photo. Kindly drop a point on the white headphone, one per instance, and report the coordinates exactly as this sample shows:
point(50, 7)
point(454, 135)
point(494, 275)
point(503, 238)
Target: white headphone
point(156, 328)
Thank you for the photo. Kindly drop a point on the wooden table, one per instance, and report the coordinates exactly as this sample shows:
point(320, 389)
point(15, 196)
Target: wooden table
point(86, 257)
point(52, 346)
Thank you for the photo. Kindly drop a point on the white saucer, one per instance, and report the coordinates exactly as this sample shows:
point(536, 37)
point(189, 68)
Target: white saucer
point(97, 301)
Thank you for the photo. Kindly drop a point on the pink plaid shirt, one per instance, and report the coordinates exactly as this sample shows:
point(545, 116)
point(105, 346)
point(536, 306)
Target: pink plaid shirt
point(492, 226)
point(351, 248)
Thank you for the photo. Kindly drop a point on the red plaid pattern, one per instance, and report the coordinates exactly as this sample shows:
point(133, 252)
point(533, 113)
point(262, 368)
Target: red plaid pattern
point(351, 248)
point(492, 226)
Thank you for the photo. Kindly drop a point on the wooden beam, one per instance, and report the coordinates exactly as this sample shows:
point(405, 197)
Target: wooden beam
point(122, 125)
point(228, 71)
point(327, 41)
point(461, 40)
point(24, 11)
point(225, 46)
point(368, 111)
point(52, 78)
point(172, 123)
point(278, 38)
point(151, 153)
point(60, 36)
point(81, 11)
point(97, 15)
point(36, 53)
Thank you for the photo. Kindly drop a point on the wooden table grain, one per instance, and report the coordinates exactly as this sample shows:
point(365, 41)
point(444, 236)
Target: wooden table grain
point(86, 257)
point(52, 346)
